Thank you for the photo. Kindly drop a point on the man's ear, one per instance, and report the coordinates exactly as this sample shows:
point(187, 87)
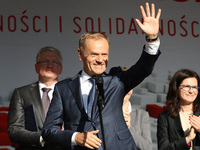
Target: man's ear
point(36, 68)
point(80, 54)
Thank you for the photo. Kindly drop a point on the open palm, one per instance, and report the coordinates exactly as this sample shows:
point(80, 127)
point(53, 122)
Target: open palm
point(150, 24)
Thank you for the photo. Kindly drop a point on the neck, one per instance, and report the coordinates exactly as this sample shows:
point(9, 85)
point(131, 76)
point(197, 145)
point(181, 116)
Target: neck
point(186, 108)
point(48, 83)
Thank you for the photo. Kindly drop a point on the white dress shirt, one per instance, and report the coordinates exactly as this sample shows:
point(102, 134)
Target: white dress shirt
point(86, 86)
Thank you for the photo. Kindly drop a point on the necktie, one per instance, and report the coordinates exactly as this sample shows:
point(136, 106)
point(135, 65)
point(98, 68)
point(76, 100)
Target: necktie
point(91, 97)
point(45, 100)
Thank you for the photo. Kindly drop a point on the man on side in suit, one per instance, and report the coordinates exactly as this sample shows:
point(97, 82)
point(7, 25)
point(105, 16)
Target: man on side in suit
point(27, 111)
point(71, 96)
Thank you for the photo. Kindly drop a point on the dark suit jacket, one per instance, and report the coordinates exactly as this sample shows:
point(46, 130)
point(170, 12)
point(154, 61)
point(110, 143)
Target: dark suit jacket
point(67, 105)
point(23, 98)
point(170, 134)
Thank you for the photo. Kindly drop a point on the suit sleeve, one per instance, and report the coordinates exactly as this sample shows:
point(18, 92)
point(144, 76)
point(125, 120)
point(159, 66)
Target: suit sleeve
point(138, 72)
point(16, 128)
point(142, 136)
point(51, 131)
point(164, 141)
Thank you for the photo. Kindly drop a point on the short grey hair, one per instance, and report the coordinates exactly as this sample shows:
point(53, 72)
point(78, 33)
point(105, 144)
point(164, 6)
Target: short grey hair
point(49, 49)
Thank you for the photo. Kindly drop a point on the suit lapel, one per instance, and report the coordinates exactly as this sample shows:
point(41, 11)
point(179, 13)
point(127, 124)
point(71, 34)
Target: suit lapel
point(35, 93)
point(73, 84)
point(177, 127)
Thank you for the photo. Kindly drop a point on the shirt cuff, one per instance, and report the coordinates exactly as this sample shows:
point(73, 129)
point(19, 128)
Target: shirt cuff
point(152, 47)
point(42, 141)
point(129, 107)
point(73, 143)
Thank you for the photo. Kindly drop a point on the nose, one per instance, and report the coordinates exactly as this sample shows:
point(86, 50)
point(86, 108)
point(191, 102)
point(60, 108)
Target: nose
point(99, 59)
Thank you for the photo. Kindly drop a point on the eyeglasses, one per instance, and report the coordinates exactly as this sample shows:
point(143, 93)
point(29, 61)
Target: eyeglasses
point(46, 62)
point(188, 87)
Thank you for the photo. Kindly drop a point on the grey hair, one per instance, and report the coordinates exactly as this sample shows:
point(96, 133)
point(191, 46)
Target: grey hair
point(49, 49)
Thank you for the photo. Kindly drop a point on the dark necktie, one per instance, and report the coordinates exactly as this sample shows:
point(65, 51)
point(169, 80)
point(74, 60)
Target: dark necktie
point(45, 100)
point(91, 97)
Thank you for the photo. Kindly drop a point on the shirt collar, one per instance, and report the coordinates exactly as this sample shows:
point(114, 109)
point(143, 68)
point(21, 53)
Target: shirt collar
point(41, 85)
point(84, 76)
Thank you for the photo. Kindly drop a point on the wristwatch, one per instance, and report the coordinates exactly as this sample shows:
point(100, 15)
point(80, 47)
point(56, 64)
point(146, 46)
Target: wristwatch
point(151, 40)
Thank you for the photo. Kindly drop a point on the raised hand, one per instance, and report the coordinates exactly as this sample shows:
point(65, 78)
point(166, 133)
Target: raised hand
point(150, 25)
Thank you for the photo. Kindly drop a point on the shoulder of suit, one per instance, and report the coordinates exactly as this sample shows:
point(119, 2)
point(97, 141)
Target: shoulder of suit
point(165, 114)
point(115, 70)
point(66, 80)
point(28, 86)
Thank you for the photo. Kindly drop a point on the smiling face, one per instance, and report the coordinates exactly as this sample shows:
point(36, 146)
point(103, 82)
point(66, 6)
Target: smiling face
point(94, 56)
point(188, 97)
point(48, 66)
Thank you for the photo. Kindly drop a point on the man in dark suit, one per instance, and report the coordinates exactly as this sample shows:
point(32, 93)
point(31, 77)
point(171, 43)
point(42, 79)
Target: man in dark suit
point(26, 111)
point(71, 96)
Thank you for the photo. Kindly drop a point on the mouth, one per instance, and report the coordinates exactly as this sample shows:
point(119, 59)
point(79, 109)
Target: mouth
point(102, 64)
point(50, 70)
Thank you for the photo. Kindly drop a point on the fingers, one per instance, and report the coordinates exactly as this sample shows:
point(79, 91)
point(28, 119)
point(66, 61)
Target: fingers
point(142, 12)
point(93, 143)
point(148, 13)
point(125, 118)
point(153, 10)
point(195, 122)
point(191, 136)
point(95, 137)
point(148, 10)
point(126, 115)
point(88, 139)
point(158, 14)
point(138, 22)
